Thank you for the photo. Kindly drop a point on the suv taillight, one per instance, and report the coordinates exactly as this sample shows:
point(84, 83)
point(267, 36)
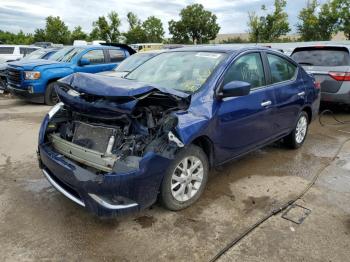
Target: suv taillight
point(340, 76)
point(317, 85)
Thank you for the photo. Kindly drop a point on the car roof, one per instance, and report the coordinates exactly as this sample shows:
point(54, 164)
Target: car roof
point(95, 46)
point(29, 46)
point(219, 48)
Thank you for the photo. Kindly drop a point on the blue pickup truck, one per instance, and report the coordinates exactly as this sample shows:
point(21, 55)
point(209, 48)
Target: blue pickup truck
point(35, 80)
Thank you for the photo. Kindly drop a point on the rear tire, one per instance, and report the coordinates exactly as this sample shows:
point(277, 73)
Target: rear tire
point(297, 137)
point(51, 97)
point(185, 179)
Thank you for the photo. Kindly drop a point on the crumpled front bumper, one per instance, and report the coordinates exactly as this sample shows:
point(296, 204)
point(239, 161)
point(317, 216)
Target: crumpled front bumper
point(105, 194)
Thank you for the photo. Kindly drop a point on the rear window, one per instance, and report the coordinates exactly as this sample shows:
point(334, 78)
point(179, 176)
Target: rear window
point(322, 56)
point(7, 50)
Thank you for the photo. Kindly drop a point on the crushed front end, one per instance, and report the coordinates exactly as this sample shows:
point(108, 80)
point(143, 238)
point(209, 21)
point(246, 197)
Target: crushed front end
point(109, 154)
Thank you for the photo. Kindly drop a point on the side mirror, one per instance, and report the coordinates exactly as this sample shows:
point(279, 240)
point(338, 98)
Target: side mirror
point(235, 88)
point(84, 62)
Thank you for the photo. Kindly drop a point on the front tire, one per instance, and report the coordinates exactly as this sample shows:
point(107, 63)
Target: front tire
point(185, 179)
point(51, 97)
point(297, 137)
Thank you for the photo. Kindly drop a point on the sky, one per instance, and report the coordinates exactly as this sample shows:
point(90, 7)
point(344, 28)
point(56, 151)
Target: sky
point(27, 15)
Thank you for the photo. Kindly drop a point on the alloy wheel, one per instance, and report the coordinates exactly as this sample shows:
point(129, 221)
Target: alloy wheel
point(187, 178)
point(301, 129)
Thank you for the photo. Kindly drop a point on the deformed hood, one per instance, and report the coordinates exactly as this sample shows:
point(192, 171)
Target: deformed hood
point(104, 86)
point(104, 96)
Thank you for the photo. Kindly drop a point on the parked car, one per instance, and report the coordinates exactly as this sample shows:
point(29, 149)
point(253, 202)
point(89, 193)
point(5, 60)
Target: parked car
point(330, 64)
point(35, 80)
point(10, 53)
point(131, 63)
point(113, 145)
point(37, 54)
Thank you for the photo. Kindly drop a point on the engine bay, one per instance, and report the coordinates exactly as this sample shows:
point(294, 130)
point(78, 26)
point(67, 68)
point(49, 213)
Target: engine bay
point(117, 143)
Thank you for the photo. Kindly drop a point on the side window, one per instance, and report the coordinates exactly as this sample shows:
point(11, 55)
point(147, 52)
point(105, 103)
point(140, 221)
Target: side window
point(95, 57)
point(23, 50)
point(281, 69)
point(247, 68)
point(116, 55)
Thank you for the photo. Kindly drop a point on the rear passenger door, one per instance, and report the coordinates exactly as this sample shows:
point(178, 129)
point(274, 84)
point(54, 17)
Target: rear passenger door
point(98, 62)
point(245, 122)
point(289, 89)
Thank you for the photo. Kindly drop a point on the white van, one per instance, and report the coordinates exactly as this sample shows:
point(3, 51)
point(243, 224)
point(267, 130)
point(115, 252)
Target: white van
point(10, 53)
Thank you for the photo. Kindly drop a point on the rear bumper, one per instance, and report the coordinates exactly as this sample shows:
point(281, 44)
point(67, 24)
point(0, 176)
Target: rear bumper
point(341, 97)
point(109, 194)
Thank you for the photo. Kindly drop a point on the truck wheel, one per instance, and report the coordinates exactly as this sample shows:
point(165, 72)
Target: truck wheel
point(51, 97)
point(185, 179)
point(296, 139)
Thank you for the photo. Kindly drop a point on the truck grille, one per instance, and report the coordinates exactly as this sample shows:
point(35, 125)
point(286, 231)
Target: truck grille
point(14, 76)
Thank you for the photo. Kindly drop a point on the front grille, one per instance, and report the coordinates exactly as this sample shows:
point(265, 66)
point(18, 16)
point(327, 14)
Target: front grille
point(14, 76)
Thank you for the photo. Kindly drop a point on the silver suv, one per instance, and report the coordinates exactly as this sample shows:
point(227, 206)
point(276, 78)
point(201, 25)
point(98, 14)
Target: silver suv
point(330, 64)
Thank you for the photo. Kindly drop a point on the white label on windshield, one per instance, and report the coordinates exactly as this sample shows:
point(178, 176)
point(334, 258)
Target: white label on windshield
point(208, 55)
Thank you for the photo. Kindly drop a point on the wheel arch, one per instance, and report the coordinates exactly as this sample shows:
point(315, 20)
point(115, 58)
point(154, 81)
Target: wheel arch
point(307, 109)
point(205, 143)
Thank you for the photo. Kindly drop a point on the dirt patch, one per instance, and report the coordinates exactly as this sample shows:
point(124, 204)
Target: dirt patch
point(145, 221)
point(253, 203)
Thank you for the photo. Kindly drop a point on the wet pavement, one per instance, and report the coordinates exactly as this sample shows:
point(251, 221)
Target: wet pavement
point(38, 223)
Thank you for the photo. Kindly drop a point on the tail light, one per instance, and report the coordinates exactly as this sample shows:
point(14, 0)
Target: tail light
point(340, 76)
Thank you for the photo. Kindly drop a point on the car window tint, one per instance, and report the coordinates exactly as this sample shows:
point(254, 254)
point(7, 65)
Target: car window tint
point(25, 50)
point(22, 50)
point(7, 50)
point(281, 69)
point(322, 57)
point(116, 55)
point(247, 68)
point(95, 56)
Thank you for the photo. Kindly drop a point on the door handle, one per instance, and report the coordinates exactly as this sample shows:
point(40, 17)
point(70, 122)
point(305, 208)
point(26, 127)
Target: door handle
point(301, 93)
point(266, 103)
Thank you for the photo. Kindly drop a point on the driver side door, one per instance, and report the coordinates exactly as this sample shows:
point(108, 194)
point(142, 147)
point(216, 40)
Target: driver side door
point(245, 122)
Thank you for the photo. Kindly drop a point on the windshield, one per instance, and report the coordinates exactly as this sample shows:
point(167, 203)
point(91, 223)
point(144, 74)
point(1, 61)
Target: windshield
point(66, 54)
point(134, 61)
point(184, 71)
point(35, 55)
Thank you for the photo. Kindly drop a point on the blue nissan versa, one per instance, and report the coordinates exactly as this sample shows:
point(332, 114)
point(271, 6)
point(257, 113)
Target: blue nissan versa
point(116, 145)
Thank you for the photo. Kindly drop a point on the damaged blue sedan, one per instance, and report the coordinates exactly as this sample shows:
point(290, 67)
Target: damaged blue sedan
point(115, 146)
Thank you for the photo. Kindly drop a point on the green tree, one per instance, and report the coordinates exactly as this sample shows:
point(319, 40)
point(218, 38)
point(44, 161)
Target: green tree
point(107, 29)
point(343, 9)
point(135, 34)
point(328, 20)
point(13, 38)
point(269, 27)
point(254, 26)
point(153, 28)
point(321, 22)
point(308, 25)
point(133, 20)
point(39, 35)
point(196, 24)
point(78, 34)
point(56, 30)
